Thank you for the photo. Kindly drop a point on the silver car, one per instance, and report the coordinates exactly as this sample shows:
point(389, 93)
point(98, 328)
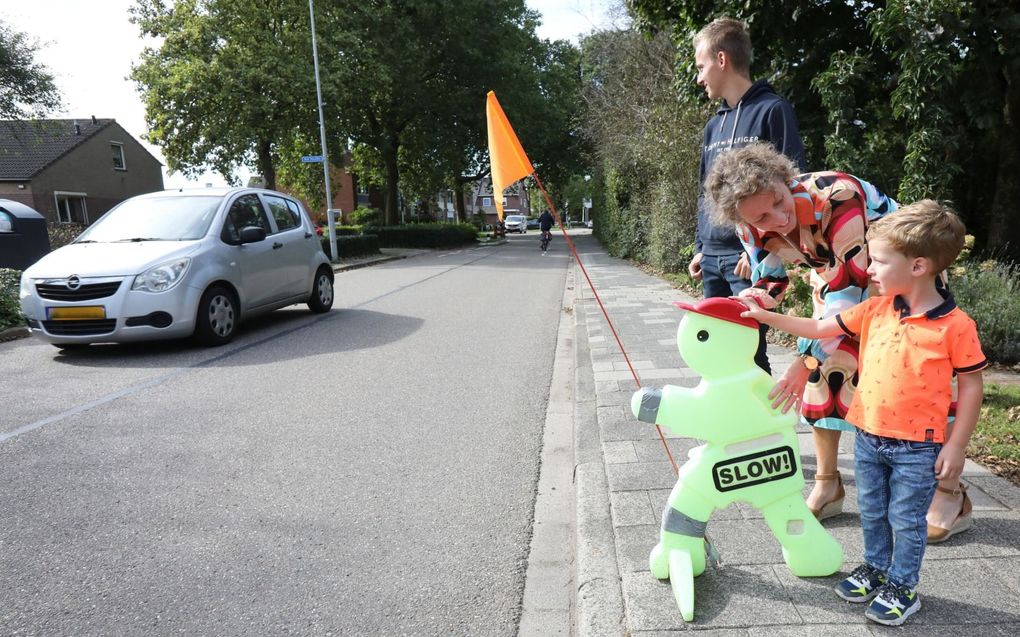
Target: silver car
point(517, 223)
point(175, 264)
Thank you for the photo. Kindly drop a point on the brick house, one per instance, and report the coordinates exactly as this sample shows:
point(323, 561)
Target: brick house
point(515, 201)
point(73, 171)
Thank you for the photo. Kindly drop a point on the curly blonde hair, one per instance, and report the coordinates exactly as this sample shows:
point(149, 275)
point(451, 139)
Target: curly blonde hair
point(742, 173)
point(925, 229)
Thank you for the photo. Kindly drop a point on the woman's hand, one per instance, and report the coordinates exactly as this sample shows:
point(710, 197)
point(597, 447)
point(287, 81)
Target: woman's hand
point(789, 389)
point(743, 269)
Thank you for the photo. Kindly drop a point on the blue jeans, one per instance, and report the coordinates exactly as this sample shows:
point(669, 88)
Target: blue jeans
point(895, 485)
point(719, 281)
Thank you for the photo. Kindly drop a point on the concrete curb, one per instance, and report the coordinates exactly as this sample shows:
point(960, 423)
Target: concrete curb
point(598, 586)
point(344, 267)
point(13, 333)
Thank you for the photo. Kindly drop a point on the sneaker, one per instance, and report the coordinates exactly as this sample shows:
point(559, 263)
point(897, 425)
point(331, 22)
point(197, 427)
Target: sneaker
point(893, 605)
point(862, 585)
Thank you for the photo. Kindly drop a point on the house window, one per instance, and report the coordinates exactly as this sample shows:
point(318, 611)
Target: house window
point(486, 201)
point(118, 155)
point(71, 207)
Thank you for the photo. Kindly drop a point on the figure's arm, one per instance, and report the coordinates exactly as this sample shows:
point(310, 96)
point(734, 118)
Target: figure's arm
point(949, 464)
point(645, 404)
point(796, 325)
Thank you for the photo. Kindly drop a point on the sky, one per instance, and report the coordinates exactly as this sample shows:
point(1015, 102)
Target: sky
point(90, 47)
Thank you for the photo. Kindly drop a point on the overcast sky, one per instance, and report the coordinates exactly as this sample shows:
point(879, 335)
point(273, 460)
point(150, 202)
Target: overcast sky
point(90, 46)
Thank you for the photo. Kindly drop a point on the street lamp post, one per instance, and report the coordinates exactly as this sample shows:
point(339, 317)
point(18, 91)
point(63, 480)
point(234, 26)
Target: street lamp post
point(330, 219)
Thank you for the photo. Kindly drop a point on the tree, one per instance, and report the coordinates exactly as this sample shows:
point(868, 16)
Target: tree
point(231, 82)
point(26, 87)
point(414, 75)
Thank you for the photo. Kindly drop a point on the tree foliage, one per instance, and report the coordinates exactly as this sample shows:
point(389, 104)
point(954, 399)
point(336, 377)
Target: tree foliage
point(229, 85)
point(919, 96)
point(26, 87)
point(646, 144)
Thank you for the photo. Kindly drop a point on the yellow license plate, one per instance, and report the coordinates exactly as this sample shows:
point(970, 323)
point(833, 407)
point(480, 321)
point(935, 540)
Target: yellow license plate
point(76, 313)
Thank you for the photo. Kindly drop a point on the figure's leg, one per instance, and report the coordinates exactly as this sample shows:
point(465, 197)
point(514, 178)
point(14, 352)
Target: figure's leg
point(683, 527)
point(680, 553)
point(808, 549)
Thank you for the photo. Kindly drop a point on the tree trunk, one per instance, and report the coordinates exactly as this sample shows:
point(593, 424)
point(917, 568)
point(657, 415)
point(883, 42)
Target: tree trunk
point(1003, 230)
point(458, 200)
point(392, 184)
point(266, 164)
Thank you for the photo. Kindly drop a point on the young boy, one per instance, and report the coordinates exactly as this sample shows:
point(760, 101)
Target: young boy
point(913, 340)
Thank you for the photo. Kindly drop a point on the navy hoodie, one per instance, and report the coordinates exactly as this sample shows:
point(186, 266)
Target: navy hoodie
point(760, 116)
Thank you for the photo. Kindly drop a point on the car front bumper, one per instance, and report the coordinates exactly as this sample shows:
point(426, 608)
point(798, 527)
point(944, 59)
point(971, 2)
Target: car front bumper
point(90, 315)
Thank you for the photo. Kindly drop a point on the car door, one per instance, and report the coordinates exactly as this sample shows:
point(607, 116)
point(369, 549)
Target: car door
point(258, 264)
point(296, 242)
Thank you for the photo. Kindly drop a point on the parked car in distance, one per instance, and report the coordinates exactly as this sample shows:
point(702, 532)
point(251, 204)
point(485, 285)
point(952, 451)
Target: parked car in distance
point(516, 223)
point(175, 264)
point(533, 224)
point(589, 224)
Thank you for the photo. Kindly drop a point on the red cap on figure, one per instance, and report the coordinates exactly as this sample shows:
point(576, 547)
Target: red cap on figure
point(721, 308)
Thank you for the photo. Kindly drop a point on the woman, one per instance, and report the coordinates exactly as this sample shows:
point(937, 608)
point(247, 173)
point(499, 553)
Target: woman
point(819, 220)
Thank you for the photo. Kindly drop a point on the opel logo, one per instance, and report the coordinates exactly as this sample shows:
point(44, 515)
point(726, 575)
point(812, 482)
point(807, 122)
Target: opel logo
point(73, 282)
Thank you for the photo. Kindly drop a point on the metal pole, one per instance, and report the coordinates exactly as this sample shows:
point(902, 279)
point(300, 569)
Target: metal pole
point(330, 220)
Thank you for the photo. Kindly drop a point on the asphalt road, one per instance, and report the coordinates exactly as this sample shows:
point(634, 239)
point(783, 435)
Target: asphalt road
point(370, 471)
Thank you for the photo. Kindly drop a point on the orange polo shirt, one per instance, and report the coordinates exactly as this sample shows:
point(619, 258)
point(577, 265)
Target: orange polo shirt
point(907, 362)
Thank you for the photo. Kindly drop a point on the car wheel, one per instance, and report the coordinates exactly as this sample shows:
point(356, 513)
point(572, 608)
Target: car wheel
point(322, 292)
point(217, 317)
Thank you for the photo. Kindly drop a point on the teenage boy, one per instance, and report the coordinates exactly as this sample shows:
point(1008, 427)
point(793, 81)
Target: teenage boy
point(913, 340)
point(750, 112)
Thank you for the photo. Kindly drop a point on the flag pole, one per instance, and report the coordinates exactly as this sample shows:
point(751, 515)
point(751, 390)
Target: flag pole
point(602, 307)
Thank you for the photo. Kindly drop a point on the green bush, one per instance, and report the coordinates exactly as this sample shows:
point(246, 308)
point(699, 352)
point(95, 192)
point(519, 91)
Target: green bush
point(427, 235)
point(62, 234)
point(988, 292)
point(363, 216)
point(353, 246)
point(10, 307)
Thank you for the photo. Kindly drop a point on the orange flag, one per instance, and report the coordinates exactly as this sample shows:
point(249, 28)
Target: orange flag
point(507, 158)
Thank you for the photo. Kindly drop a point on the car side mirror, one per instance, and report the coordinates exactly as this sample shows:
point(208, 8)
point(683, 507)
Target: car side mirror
point(252, 234)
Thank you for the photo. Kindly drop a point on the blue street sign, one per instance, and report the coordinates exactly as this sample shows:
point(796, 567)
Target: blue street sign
point(311, 159)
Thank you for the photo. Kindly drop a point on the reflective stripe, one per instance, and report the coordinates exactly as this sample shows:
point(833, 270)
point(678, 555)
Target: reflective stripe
point(676, 522)
point(650, 399)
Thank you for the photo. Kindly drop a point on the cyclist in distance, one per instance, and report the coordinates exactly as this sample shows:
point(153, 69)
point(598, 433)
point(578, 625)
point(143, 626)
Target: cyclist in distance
point(545, 224)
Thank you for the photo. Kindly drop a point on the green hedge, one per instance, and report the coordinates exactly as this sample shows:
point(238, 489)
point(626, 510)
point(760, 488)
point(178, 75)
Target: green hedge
point(10, 307)
point(989, 291)
point(426, 235)
point(353, 246)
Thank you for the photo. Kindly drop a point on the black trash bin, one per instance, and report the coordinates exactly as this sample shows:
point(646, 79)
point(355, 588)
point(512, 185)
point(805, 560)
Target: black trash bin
point(24, 238)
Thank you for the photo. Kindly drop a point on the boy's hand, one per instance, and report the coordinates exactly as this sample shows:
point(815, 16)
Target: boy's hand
point(949, 464)
point(754, 310)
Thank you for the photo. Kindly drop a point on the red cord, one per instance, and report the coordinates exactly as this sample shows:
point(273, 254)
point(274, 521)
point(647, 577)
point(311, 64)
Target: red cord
point(573, 251)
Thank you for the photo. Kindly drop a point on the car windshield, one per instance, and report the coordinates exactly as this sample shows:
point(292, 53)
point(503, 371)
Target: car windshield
point(515, 219)
point(184, 218)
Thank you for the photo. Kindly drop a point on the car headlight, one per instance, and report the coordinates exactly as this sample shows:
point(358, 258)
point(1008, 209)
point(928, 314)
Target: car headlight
point(162, 277)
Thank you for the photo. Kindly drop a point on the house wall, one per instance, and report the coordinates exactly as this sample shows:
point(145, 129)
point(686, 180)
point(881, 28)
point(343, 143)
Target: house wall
point(10, 190)
point(89, 169)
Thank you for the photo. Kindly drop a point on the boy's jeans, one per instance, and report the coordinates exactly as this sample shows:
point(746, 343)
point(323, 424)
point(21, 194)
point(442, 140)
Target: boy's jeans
point(895, 485)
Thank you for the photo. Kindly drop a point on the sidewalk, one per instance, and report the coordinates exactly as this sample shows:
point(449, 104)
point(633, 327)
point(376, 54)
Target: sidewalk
point(969, 585)
point(385, 254)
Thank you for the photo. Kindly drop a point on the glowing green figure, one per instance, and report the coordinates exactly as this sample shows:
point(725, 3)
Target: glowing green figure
point(751, 453)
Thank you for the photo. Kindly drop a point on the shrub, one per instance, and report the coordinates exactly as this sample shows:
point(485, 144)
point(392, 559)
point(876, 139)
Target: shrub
point(988, 292)
point(363, 216)
point(427, 235)
point(353, 245)
point(62, 234)
point(10, 307)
